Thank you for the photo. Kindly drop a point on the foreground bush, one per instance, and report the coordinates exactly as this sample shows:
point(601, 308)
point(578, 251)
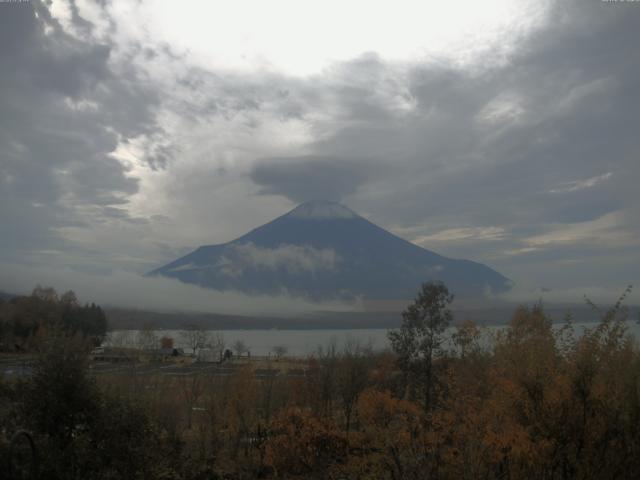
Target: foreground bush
point(79, 431)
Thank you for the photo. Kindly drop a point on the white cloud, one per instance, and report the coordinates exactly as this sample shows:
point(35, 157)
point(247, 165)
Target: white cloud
point(505, 108)
point(301, 38)
point(290, 258)
point(462, 234)
point(581, 184)
point(604, 230)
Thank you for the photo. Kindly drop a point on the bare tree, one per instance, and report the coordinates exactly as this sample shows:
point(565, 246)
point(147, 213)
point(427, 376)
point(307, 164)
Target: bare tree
point(466, 338)
point(279, 351)
point(352, 376)
point(217, 344)
point(326, 376)
point(214, 348)
point(147, 338)
point(240, 347)
point(195, 336)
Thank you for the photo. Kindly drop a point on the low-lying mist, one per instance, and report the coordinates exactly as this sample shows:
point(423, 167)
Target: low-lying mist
point(129, 290)
point(608, 295)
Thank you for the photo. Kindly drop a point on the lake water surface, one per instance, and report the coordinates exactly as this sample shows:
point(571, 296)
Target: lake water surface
point(301, 343)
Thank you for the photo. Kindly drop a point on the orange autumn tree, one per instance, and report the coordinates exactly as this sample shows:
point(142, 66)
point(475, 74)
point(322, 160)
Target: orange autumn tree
point(395, 441)
point(242, 414)
point(563, 405)
point(302, 443)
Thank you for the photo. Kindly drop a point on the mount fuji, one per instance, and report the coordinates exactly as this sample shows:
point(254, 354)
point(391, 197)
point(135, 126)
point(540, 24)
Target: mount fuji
point(323, 250)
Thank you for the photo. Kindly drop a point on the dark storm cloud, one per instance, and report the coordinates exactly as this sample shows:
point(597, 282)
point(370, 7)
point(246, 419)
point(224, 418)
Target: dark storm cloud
point(487, 146)
point(63, 109)
point(306, 178)
point(53, 62)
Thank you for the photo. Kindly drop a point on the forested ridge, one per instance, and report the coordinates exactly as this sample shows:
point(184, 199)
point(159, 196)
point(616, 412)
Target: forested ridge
point(22, 317)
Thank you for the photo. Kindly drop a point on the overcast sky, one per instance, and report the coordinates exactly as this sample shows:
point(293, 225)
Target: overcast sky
point(505, 132)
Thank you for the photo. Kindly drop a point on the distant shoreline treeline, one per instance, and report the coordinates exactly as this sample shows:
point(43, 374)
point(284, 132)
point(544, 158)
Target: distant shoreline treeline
point(131, 319)
point(23, 317)
point(491, 314)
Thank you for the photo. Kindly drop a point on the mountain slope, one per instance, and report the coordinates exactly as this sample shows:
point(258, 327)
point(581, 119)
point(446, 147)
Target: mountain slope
point(324, 250)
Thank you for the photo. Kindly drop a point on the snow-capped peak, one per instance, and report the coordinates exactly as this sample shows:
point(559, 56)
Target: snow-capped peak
point(321, 210)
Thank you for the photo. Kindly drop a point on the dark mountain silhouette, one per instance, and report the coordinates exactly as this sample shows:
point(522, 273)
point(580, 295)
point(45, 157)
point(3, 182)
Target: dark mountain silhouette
point(324, 250)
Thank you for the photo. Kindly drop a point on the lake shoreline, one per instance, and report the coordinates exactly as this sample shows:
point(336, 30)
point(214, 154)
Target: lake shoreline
point(131, 319)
